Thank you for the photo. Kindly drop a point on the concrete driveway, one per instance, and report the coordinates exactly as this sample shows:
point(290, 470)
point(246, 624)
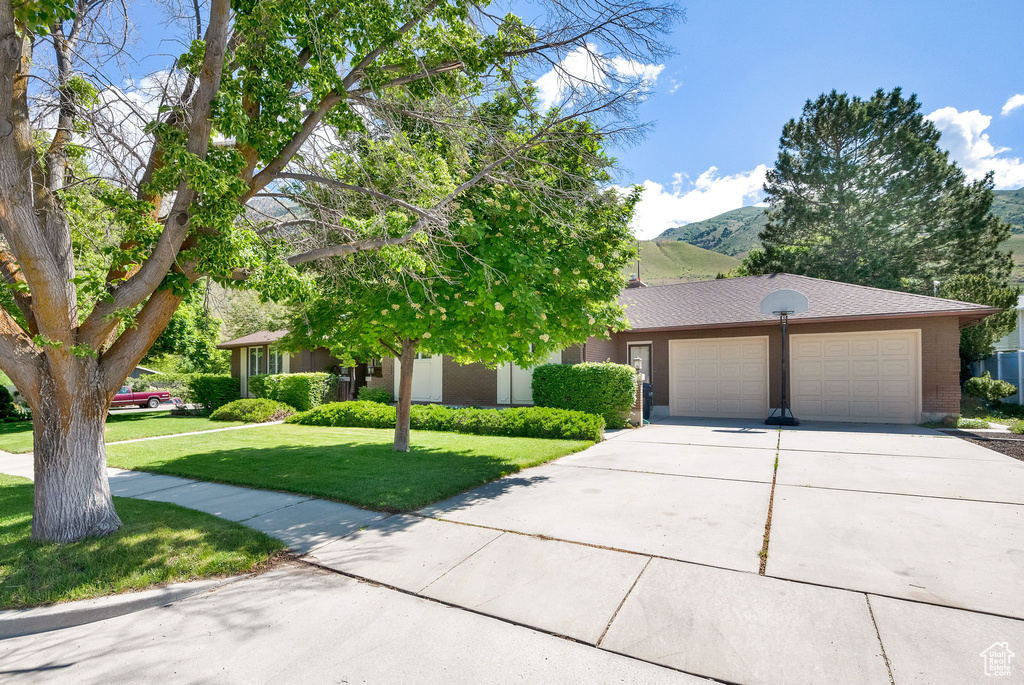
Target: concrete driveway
point(893, 554)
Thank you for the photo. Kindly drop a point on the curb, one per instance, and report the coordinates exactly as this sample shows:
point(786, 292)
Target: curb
point(20, 622)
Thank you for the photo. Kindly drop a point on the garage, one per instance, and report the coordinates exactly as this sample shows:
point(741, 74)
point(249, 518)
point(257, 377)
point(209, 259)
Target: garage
point(868, 376)
point(719, 377)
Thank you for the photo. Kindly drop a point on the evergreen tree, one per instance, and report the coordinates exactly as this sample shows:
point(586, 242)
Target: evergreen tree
point(862, 193)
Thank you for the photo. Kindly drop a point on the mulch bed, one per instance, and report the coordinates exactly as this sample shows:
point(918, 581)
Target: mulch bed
point(1010, 444)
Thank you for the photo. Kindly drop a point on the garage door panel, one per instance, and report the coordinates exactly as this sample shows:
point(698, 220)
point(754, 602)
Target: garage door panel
point(729, 378)
point(876, 379)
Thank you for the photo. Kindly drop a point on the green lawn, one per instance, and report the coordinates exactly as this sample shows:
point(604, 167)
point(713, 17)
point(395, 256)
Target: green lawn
point(353, 465)
point(17, 437)
point(159, 543)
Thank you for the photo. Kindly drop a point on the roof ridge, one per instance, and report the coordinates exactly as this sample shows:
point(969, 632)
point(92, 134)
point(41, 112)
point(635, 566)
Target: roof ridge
point(886, 290)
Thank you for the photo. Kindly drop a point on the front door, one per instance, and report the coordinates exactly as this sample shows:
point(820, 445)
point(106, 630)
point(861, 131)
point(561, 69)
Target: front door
point(641, 352)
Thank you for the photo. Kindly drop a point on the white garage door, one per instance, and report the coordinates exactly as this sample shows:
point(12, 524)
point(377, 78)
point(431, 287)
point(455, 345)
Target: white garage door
point(720, 377)
point(872, 377)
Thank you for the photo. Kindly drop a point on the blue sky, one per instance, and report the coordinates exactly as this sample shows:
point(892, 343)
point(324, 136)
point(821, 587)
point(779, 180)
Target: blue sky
point(744, 68)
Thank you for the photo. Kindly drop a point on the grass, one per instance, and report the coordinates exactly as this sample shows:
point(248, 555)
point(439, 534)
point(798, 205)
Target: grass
point(352, 465)
point(1015, 244)
point(677, 262)
point(159, 543)
point(17, 437)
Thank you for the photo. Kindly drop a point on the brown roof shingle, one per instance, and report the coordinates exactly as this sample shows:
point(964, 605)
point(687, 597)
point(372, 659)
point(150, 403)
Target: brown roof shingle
point(736, 301)
point(257, 338)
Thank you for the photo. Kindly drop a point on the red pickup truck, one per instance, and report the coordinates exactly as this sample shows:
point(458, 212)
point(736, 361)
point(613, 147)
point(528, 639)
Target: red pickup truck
point(151, 398)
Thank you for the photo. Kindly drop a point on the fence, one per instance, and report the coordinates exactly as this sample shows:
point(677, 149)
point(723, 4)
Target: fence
point(1005, 366)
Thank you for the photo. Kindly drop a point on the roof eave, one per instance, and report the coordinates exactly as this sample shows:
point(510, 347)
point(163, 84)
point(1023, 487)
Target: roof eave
point(968, 315)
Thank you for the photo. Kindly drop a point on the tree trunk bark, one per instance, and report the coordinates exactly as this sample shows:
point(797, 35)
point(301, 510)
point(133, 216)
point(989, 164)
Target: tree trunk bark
point(72, 493)
point(404, 396)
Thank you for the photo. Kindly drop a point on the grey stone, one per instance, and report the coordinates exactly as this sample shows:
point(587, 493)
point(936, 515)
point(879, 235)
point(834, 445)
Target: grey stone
point(992, 481)
point(943, 551)
point(716, 522)
point(686, 460)
point(306, 525)
point(745, 628)
point(407, 552)
point(226, 501)
point(303, 626)
point(558, 587)
point(930, 645)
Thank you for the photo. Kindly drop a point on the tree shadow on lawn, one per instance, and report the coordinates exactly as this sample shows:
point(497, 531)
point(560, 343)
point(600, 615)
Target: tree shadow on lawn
point(159, 543)
point(365, 475)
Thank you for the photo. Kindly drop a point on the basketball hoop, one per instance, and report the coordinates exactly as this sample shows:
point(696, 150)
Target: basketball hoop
point(783, 303)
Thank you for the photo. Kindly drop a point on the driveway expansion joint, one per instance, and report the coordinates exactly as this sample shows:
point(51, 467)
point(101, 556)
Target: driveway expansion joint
point(878, 633)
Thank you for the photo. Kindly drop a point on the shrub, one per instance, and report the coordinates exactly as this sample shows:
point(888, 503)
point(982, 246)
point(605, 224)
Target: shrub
point(988, 388)
point(211, 391)
point(139, 384)
point(348, 414)
point(300, 390)
point(971, 423)
point(253, 410)
point(1017, 427)
point(7, 408)
point(175, 383)
point(605, 389)
point(368, 394)
point(524, 422)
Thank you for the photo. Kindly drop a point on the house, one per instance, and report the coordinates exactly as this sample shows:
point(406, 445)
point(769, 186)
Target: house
point(1007, 362)
point(856, 354)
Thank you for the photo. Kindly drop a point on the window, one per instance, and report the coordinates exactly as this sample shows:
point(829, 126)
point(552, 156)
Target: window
point(375, 367)
point(275, 360)
point(256, 365)
point(421, 355)
point(125, 390)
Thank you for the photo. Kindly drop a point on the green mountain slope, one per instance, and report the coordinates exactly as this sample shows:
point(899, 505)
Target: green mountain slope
point(1009, 206)
point(733, 233)
point(679, 262)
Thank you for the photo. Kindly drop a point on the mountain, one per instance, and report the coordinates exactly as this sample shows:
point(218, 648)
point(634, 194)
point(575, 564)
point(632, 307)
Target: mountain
point(679, 262)
point(1009, 206)
point(733, 233)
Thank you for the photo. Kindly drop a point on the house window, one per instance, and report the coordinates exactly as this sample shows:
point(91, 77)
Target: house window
point(256, 365)
point(275, 360)
point(375, 367)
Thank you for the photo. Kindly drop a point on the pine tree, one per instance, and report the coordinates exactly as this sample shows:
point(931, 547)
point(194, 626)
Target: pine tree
point(862, 193)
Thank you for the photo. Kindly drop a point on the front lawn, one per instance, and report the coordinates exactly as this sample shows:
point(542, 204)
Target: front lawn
point(17, 437)
point(353, 465)
point(159, 543)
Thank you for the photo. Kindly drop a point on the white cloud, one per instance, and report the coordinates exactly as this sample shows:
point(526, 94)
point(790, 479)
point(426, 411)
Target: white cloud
point(674, 86)
point(685, 202)
point(586, 68)
point(963, 134)
point(1013, 103)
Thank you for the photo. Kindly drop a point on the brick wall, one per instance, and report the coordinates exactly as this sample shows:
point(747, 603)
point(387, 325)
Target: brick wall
point(597, 350)
point(940, 361)
point(472, 384)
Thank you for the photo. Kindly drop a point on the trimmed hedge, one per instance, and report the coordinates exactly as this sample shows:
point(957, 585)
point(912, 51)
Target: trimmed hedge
point(253, 410)
point(300, 390)
point(7, 408)
point(520, 422)
point(605, 389)
point(212, 391)
point(988, 388)
point(381, 395)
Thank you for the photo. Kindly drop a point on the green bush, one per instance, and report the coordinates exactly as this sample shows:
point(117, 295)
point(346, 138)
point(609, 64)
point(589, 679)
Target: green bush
point(987, 388)
point(211, 391)
point(972, 423)
point(253, 410)
point(1017, 427)
point(605, 389)
point(521, 422)
point(300, 390)
point(378, 394)
point(175, 383)
point(7, 408)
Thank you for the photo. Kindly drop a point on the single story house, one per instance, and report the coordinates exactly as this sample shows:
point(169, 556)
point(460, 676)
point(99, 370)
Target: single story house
point(857, 353)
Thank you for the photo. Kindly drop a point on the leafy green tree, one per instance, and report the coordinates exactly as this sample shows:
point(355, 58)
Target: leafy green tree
point(241, 111)
point(524, 273)
point(976, 341)
point(862, 193)
point(192, 335)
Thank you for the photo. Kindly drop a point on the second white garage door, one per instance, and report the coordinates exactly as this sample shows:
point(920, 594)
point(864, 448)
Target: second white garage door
point(873, 377)
point(719, 377)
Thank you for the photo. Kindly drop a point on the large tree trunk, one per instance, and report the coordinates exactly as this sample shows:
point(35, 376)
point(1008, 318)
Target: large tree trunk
point(72, 493)
point(408, 359)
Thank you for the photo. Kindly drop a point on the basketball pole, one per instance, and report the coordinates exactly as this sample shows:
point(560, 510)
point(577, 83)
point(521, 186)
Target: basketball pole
point(785, 417)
